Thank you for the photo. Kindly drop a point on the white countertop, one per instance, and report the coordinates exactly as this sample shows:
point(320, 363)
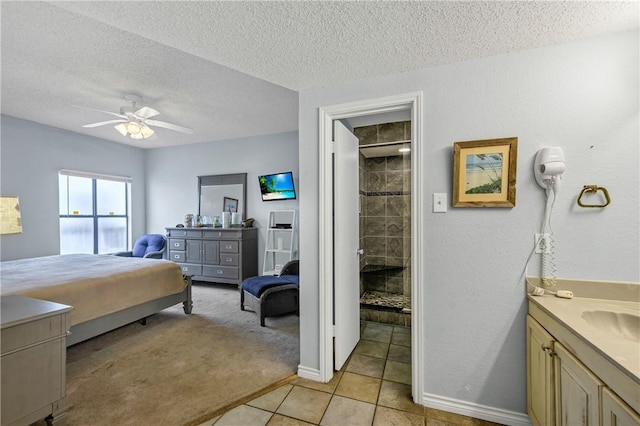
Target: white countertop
point(623, 352)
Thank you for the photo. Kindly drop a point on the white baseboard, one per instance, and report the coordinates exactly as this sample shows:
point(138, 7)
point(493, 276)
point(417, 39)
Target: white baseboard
point(465, 408)
point(309, 373)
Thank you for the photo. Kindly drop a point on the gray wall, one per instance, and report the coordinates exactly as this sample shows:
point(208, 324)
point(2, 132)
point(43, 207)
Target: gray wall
point(172, 185)
point(582, 96)
point(31, 157)
point(164, 186)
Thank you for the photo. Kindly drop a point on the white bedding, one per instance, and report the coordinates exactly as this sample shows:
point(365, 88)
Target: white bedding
point(95, 285)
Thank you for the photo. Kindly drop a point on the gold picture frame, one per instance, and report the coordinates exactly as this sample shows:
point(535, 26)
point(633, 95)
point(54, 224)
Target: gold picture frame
point(484, 173)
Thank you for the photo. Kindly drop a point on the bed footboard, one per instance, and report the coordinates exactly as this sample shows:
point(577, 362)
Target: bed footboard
point(86, 330)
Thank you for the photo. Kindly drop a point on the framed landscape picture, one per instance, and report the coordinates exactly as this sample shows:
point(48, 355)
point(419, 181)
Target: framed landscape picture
point(484, 173)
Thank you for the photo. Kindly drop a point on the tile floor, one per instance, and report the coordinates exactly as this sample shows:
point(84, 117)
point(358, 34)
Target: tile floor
point(373, 388)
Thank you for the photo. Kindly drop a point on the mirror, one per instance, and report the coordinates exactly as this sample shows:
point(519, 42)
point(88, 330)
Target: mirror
point(218, 193)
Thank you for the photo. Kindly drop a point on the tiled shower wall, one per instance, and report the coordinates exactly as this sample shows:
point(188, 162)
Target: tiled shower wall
point(385, 221)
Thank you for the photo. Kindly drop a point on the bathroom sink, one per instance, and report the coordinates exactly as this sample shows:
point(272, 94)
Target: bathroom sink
point(624, 325)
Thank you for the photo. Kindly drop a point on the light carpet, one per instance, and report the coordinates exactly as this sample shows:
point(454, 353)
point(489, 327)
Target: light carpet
point(180, 368)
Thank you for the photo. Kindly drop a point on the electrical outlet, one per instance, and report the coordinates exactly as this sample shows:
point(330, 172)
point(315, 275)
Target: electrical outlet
point(543, 243)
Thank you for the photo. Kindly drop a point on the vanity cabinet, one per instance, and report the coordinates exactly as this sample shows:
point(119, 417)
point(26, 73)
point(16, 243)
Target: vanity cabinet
point(577, 390)
point(615, 412)
point(562, 388)
point(540, 389)
point(221, 255)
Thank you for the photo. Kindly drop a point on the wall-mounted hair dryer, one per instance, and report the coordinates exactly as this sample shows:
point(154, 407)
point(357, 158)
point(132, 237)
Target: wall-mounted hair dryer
point(549, 167)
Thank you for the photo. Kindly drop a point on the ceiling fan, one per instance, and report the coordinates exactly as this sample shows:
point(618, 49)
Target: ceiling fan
point(136, 122)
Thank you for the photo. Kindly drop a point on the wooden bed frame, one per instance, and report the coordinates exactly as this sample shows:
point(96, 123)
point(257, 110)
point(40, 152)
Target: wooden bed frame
point(95, 327)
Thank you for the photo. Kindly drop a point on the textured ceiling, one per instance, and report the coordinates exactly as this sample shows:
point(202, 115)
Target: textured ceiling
point(233, 69)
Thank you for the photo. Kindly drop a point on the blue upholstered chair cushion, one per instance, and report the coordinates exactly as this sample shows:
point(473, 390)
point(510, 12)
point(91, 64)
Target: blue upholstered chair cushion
point(258, 285)
point(147, 244)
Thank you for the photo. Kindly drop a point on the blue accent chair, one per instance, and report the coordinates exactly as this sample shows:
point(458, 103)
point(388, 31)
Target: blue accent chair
point(150, 246)
point(271, 295)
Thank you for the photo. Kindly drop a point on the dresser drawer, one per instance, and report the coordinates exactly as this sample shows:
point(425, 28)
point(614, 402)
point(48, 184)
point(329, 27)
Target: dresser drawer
point(32, 378)
point(228, 259)
point(229, 246)
point(177, 256)
point(222, 234)
point(32, 333)
point(191, 269)
point(175, 244)
point(186, 232)
point(220, 272)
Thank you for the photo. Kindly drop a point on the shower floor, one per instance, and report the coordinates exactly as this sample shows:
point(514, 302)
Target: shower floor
point(384, 301)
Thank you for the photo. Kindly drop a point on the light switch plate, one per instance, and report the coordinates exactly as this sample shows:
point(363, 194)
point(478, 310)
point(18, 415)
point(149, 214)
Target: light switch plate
point(439, 202)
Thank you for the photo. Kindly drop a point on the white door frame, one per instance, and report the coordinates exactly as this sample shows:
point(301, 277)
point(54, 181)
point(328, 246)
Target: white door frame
point(412, 101)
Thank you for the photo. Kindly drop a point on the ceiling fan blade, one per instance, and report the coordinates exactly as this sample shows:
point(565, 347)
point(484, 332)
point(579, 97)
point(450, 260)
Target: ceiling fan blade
point(168, 126)
point(104, 123)
point(146, 112)
point(99, 110)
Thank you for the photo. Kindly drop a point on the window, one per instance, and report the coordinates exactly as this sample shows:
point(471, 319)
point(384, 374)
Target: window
point(95, 213)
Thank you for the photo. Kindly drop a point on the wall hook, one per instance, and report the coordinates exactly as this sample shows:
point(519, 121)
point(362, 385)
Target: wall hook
point(594, 188)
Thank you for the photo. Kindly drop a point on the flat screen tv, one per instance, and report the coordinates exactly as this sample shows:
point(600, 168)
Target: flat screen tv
point(277, 186)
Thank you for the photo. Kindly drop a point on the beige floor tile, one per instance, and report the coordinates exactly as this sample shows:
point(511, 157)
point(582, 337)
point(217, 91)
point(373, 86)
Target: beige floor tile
point(400, 353)
point(279, 420)
point(448, 418)
point(244, 415)
point(371, 348)
point(397, 372)
point(207, 423)
point(305, 404)
point(399, 329)
point(402, 339)
point(324, 387)
point(362, 388)
point(376, 334)
point(344, 411)
point(380, 325)
point(398, 396)
point(389, 416)
point(366, 365)
point(272, 400)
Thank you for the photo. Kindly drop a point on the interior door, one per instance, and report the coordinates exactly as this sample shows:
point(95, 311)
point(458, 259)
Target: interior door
point(346, 232)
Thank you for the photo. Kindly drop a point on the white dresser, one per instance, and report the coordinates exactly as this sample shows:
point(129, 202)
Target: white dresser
point(34, 354)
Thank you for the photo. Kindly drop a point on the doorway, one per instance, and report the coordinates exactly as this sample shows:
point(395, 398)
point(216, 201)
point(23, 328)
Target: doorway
point(385, 222)
point(328, 240)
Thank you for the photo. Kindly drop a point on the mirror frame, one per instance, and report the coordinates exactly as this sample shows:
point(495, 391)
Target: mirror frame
point(228, 179)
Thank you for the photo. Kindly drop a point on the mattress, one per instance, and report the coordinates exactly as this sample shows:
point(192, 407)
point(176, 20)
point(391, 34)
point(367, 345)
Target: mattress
point(95, 285)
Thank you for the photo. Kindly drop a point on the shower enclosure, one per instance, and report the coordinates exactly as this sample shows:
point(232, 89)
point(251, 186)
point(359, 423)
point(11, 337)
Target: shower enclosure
point(385, 222)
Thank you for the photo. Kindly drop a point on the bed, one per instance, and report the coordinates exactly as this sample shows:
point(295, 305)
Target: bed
point(106, 292)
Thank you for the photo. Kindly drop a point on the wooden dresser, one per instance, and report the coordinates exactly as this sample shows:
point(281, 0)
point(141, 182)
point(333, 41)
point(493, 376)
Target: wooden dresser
point(221, 255)
point(34, 356)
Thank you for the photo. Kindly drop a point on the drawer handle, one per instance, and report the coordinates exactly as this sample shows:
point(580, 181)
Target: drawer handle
point(228, 246)
point(176, 244)
point(220, 272)
point(228, 259)
point(176, 256)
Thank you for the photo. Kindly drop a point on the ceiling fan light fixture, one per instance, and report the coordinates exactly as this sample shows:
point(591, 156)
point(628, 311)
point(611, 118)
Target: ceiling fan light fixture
point(122, 128)
point(136, 136)
point(146, 131)
point(133, 128)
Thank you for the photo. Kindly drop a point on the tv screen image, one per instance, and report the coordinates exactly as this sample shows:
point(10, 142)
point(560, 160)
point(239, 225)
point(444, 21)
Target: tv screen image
point(277, 186)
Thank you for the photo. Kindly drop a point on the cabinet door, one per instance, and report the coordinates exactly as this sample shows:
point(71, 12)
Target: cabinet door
point(540, 390)
point(194, 251)
point(211, 252)
point(615, 412)
point(577, 391)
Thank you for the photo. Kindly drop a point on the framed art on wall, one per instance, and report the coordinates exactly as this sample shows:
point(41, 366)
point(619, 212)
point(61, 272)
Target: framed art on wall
point(230, 205)
point(484, 173)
